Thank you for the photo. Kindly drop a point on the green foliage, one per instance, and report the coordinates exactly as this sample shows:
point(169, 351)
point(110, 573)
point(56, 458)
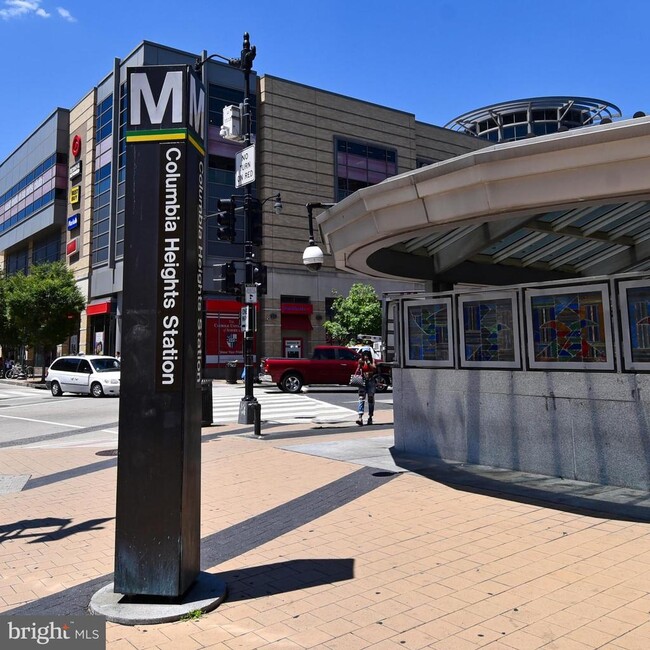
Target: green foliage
point(358, 313)
point(4, 324)
point(41, 309)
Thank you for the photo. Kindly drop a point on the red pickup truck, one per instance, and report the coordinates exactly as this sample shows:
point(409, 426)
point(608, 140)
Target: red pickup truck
point(329, 364)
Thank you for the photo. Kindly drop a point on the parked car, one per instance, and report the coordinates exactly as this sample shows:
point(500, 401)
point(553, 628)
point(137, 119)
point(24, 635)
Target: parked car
point(329, 364)
point(97, 375)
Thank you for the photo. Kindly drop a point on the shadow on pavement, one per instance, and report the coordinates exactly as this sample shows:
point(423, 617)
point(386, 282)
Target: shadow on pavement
point(577, 497)
point(282, 577)
point(19, 529)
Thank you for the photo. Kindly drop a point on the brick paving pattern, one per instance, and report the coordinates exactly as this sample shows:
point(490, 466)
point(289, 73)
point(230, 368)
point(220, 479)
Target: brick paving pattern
point(322, 553)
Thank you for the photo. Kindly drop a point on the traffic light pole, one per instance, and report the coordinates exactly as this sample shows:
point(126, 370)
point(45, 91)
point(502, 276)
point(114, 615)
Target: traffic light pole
point(249, 407)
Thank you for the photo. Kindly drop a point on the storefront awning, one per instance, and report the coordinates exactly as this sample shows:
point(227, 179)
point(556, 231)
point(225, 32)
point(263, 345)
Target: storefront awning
point(296, 322)
point(98, 307)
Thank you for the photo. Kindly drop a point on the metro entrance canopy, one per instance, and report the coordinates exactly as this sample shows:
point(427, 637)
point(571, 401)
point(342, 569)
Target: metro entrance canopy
point(570, 204)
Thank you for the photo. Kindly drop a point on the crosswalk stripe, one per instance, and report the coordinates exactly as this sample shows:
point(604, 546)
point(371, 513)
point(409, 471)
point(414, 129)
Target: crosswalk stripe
point(282, 407)
point(9, 394)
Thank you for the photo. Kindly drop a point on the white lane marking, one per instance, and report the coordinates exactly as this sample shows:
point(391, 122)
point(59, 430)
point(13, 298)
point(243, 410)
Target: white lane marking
point(56, 424)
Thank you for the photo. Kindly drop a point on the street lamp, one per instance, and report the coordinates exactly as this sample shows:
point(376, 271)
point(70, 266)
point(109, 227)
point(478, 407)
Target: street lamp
point(313, 256)
point(277, 204)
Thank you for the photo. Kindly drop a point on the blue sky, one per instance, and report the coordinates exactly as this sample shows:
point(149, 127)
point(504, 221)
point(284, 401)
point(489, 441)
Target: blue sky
point(434, 58)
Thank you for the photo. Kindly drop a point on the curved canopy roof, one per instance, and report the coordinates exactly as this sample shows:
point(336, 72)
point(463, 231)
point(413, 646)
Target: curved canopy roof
point(565, 205)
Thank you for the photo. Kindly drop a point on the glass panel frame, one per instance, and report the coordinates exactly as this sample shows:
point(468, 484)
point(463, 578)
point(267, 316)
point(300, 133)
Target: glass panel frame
point(507, 299)
point(606, 342)
point(630, 337)
point(444, 324)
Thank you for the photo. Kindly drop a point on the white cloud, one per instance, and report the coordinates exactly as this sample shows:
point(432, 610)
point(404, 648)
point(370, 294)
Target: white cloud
point(66, 15)
point(17, 8)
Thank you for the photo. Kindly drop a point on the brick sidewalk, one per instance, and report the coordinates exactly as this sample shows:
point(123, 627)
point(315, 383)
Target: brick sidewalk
point(339, 556)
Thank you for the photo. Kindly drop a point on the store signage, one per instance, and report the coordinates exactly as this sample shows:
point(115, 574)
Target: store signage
point(72, 246)
point(73, 221)
point(76, 145)
point(296, 308)
point(75, 170)
point(75, 193)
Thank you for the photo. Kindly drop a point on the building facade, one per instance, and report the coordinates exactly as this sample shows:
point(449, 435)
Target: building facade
point(62, 196)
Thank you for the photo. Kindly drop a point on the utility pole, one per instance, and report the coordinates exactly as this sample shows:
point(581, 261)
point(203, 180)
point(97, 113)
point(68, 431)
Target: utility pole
point(249, 407)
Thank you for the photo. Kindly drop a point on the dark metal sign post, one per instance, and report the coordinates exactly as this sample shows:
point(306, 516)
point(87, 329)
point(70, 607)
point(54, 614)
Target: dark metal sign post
point(159, 464)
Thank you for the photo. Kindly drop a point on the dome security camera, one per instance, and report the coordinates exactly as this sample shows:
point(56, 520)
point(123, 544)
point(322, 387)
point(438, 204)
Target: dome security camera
point(312, 258)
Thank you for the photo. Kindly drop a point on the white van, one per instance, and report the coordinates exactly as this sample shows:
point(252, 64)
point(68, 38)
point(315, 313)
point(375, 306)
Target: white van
point(97, 375)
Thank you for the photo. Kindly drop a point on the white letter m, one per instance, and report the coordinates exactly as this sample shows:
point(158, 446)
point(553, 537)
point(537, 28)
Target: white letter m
point(141, 90)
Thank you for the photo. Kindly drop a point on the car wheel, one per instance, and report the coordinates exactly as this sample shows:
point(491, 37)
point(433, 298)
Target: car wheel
point(96, 390)
point(381, 383)
point(291, 383)
point(56, 389)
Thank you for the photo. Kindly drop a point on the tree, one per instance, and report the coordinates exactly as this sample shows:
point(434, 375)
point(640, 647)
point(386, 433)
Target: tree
point(10, 337)
point(358, 313)
point(42, 308)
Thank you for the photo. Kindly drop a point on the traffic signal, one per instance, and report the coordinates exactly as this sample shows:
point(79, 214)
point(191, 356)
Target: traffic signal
point(228, 274)
point(226, 220)
point(255, 224)
point(259, 277)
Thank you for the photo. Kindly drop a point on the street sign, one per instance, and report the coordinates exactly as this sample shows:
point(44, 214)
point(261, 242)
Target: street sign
point(247, 320)
point(245, 166)
point(250, 294)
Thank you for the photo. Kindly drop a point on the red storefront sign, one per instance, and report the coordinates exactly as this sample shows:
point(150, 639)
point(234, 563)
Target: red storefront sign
point(224, 340)
point(305, 308)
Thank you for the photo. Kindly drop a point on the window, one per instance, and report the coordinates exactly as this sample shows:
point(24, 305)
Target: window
point(47, 249)
point(84, 366)
point(66, 364)
point(101, 215)
point(104, 125)
point(16, 262)
point(347, 355)
point(31, 191)
point(121, 172)
point(361, 165)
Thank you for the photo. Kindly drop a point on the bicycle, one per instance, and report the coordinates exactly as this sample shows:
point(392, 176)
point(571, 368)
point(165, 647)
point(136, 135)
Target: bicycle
point(20, 372)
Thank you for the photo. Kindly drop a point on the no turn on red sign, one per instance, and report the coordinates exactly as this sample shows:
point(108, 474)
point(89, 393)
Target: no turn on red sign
point(245, 166)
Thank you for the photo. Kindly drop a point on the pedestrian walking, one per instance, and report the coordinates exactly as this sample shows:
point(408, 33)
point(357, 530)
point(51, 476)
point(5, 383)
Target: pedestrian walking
point(368, 369)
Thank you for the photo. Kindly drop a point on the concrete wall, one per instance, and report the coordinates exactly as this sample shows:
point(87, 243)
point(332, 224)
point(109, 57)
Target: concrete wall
point(586, 426)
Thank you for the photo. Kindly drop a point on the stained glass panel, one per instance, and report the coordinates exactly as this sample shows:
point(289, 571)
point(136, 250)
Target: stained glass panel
point(428, 332)
point(488, 330)
point(638, 313)
point(569, 327)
